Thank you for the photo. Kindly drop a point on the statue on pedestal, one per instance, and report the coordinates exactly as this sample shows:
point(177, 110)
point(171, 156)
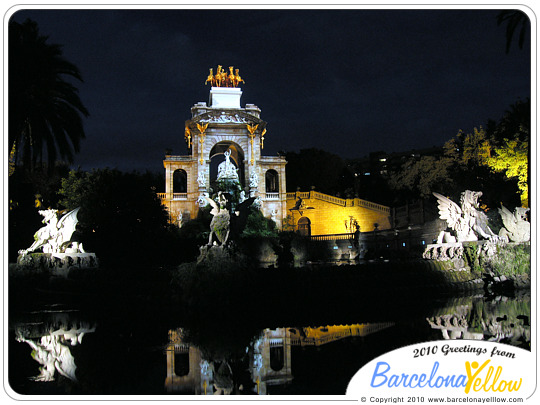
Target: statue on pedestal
point(201, 179)
point(220, 224)
point(59, 253)
point(516, 227)
point(226, 169)
point(221, 79)
point(55, 236)
point(467, 222)
point(253, 180)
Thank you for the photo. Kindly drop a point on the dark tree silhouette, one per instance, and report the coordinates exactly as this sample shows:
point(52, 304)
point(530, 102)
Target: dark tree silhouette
point(45, 111)
point(514, 19)
point(317, 168)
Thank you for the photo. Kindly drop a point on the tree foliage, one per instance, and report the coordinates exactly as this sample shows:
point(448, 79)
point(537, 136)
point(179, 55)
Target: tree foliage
point(512, 159)
point(514, 20)
point(121, 218)
point(421, 177)
point(465, 164)
point(510, 151)
point(45, 111)
point(258, 226)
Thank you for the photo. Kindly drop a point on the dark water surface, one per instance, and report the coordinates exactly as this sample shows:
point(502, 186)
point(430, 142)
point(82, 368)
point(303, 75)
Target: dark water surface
point(121, 341)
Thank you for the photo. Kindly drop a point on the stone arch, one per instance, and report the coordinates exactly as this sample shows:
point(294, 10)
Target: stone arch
point(217, 156)
point(272, 181)
point(181, 364)
point(304, 226)
point(277, 358)
point(179, 181)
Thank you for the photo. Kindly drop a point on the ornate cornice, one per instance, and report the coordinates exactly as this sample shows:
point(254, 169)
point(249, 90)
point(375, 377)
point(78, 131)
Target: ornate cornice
point(233, 117)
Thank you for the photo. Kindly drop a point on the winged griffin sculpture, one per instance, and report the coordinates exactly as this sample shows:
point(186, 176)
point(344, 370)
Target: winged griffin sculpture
point(55, 236)
point(516, 227)
point(466, 221)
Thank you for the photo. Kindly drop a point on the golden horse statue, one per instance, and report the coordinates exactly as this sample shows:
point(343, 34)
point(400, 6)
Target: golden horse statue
point(211, 78)
point(222, 79)
point(218, 78)
point(237, 78)
point(231, 79)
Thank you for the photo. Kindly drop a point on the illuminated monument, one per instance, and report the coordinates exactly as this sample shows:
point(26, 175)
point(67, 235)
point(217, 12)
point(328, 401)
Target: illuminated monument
point(225, 142)
point(219, 130)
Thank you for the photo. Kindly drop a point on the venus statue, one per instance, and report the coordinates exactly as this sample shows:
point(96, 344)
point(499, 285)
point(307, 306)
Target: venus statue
point(226, 169)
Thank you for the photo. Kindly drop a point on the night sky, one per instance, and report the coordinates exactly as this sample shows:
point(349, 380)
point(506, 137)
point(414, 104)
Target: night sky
point(347, 81)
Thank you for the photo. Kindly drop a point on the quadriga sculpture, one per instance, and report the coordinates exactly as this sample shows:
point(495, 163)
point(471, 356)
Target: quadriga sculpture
point(516, 227)
point(466, 221)
point(55, 236)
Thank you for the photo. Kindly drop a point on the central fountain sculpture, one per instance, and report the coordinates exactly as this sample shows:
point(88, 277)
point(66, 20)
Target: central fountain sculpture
point(59, 252)
point(229, 210)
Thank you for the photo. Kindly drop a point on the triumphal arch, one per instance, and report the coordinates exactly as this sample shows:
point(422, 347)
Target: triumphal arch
point(218, 131)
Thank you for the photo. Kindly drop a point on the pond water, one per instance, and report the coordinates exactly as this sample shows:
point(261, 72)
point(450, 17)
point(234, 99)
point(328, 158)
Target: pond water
point(131, 345)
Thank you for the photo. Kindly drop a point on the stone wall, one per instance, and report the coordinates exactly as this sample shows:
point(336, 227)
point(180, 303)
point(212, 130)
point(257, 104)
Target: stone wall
point(54, 264)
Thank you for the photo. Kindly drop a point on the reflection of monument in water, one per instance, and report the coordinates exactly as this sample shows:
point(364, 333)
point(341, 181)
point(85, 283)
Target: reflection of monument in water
point(50, 340)
point(503, 320)
point(270, 359)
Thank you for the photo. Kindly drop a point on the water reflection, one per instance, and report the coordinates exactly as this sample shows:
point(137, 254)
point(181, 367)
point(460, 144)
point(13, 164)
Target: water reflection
point(268, 360)
point(270, 356)
point(498, 319)
point(133, 352)
point(50, 335)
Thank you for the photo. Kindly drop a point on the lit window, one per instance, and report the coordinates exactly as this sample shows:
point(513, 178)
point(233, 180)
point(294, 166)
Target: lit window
point(403, 244)
point(382, 160)
point(367, 173)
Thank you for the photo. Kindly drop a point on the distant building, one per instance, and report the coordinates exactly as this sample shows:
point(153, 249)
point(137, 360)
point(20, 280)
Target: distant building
point(381, 163)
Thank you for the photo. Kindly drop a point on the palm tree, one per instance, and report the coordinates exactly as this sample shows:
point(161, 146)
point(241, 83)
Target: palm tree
point(45, 111)
point(514, 19)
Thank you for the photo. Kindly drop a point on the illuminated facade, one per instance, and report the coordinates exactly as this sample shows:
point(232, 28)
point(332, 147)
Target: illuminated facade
point(223, 127)
point(214, 129)
point(313, 213)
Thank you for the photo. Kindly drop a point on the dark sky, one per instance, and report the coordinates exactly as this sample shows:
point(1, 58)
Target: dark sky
point(347, 81)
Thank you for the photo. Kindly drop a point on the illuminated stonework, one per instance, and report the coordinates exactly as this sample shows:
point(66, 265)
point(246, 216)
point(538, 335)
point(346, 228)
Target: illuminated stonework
point(314, 213)
point(224, 127)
